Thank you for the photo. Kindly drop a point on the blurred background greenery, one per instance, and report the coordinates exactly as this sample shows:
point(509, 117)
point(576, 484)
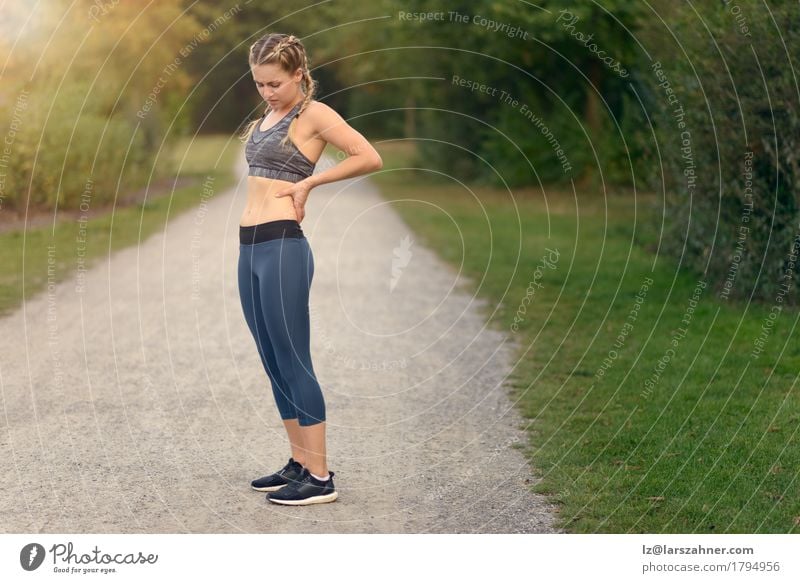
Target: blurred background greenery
point(101, 91)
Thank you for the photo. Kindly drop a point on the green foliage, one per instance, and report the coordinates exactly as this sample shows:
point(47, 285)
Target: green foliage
point(738, 223)
point(526, 59)
point(94, 124)
point(67, 147)
point(59, 149)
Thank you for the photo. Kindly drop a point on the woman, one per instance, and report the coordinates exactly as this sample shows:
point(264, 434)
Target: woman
point(276, 265)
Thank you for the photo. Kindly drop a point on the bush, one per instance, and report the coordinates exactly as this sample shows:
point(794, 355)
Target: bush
point(733, 180)
point(65, 144)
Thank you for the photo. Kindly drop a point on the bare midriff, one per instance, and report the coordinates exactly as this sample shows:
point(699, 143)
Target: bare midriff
point(262, 205)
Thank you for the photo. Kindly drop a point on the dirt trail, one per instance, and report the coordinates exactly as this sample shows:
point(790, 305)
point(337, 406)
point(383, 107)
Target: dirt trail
point(138, 404)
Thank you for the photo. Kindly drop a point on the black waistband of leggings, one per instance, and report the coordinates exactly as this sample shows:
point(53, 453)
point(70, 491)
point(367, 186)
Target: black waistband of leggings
point(253, 234)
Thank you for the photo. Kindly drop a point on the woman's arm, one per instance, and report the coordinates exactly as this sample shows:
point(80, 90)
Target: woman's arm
point(362, 157)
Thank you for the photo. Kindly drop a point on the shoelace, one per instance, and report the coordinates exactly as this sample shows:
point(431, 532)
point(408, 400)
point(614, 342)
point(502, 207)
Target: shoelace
point(286, 468)
point(295, 484)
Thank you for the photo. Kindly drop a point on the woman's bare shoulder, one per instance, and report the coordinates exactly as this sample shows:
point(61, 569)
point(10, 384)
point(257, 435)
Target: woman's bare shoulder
point(318, 105)
point(322, 119)
point(322, 112)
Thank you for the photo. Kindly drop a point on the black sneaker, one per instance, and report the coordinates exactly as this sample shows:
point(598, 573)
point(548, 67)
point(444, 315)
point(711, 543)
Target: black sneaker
point(308, 490)
point(290, 473)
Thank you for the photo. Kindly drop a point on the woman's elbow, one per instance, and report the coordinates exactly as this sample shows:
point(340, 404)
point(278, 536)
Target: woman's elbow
point(376, 163)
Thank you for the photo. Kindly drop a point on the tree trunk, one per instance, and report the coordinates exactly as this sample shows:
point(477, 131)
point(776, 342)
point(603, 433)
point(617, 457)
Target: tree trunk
point(591, 116)
point(410, 115)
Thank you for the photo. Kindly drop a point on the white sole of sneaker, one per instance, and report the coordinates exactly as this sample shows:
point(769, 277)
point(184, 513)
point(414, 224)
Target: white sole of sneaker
point(313, 500)
point(269, 488)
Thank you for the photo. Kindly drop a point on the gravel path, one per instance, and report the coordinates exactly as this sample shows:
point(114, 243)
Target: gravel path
point(138, 404)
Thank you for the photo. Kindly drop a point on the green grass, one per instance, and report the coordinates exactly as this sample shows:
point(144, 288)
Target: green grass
point(27, 254)
point(711, 448)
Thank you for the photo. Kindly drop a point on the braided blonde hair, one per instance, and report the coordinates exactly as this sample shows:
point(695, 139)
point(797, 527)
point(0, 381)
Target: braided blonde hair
point(287, 51)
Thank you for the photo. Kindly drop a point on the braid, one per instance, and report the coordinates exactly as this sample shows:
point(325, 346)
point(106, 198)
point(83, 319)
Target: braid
point(310, 90)
point(276, 52)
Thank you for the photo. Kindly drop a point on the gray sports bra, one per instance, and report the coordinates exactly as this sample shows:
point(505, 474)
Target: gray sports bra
point(267, 158)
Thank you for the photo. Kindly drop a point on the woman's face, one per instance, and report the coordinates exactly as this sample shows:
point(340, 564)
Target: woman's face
point(275, 85)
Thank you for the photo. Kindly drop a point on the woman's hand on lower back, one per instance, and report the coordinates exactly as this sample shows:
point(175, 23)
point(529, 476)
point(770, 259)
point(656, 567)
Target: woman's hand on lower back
point(299, 193)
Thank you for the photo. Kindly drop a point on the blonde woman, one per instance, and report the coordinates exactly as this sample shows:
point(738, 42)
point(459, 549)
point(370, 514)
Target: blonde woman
point(276, 264)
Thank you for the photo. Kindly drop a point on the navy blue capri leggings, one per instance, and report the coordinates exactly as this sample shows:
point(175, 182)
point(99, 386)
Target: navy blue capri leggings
point(276, 267)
